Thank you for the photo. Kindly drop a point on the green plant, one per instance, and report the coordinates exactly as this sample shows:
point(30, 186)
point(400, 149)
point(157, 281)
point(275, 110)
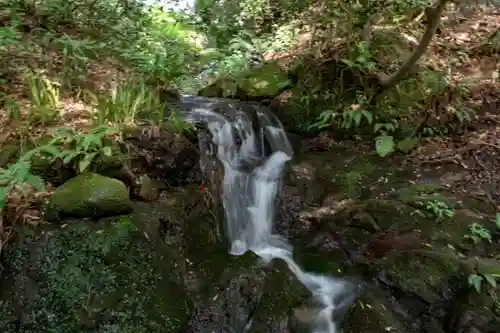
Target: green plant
point(439, 209)
point(476, 280)
point(478, 232)
point(125, 102)
point(17, 177)
point(12, 108)
point(179, 124)
point(359, 56)
point(384, 145)
point(76, 55)
point(349, 118)
point(44, 96)
point(436, 208)
point(81, 149)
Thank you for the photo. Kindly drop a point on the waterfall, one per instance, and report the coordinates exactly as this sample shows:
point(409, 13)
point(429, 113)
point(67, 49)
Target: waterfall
point(253, 148)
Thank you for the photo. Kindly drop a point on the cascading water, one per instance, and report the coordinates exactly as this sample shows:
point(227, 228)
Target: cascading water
point(253, 155)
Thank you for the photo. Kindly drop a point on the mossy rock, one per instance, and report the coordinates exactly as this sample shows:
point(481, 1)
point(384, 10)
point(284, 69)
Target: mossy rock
point(267, 80)
point(427, 274)
point(223, 88)
point(482, 266)
point(89, 195)
point(372, 314)
point(359, 171)
point(282, 293)
point(88, 277)
point(449, 230)
point(416, 194)
point(374, 215)
point(329, 262)
point(477, 312)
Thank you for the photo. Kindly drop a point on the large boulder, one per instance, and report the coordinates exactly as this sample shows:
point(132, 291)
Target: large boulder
point(259, 83)
point(89, 195)
point(268, 80)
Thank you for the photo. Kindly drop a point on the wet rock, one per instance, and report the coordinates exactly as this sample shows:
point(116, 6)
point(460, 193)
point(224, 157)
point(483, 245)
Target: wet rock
point(281, 294)
point(89, 195)
point(244, 296)
point(233, 295)
point(322, 254)
point(88, 277)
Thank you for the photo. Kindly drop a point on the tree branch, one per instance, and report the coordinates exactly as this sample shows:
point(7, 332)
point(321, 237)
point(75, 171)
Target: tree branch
point(433, 15)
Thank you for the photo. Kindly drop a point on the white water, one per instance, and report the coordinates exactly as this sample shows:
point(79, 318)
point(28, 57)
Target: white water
point(249, 196)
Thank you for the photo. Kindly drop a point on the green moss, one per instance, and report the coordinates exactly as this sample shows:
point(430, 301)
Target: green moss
point(422, 273)
point(422, 193)
point(266, 80)
point(90, 195)
point(372, 314)
point(333, 262)
point(354, 176)
point(282, 292)
point(90, 277)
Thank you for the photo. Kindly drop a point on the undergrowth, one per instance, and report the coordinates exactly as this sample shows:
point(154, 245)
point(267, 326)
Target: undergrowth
point(74, 76)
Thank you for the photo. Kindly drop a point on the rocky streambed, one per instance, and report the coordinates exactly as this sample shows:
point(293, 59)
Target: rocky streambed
point(155, 263)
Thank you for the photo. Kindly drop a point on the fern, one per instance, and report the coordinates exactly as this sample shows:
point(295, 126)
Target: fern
point(81, 148)
point(18, 176)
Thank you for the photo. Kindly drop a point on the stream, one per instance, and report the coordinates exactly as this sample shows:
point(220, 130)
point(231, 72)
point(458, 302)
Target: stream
point(244, 228)
point(253, 163)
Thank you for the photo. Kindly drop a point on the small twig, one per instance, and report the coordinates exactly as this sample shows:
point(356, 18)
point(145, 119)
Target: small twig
point(481, 164)
point(418, 18)
point(450, 159)
point(488, 144)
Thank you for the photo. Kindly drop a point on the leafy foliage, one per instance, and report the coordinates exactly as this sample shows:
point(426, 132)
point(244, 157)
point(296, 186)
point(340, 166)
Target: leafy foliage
point(144, 38)
point(81, 149)
point(17, 176)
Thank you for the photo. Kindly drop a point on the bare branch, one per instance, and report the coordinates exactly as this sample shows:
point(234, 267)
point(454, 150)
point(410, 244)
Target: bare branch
point(433, 19)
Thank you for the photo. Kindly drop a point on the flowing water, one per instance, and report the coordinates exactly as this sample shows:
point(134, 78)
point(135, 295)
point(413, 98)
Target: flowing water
point(253, 148)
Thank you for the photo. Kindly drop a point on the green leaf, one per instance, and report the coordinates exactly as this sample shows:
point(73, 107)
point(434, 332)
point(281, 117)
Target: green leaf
point(5, 177)
point(476, 281)
point(70, 155)
point(86, 161)
point(384, 145)
point(490, 278)
point(408, 144)
point(497, 220)
point(36, 181)
point(348, 62)
point(107, 151)
point(3, 196)
point(368, 115)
